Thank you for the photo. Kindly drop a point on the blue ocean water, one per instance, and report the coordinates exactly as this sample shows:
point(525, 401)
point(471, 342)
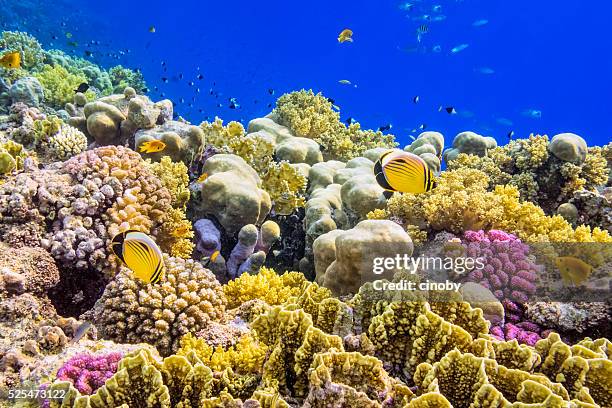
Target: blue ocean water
point(545, 56)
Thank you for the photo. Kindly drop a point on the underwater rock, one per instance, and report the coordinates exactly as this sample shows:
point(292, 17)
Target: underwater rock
point(571, 317)
point(569, 147)
point(469, 143)
point(27, 90)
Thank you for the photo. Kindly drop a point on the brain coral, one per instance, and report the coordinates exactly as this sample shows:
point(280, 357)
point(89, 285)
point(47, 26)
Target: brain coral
point(184, 302)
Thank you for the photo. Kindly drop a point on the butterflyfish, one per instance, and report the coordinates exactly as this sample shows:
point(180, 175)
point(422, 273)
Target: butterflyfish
point(345, 35)
point(404, 172)
point(573, 270)
point(11, 60)
point(141, 254)
point(152, 146)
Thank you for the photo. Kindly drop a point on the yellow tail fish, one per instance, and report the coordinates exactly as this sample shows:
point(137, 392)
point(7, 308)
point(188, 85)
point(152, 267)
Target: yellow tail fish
point(141, 254)
point(11, 60)
point(345, 35)
point(573, 270)
point(404, 172)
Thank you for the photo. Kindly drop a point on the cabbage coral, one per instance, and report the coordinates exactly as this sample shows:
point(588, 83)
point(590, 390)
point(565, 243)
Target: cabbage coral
point(59, 84)
point(267, 285)
point(462, 202)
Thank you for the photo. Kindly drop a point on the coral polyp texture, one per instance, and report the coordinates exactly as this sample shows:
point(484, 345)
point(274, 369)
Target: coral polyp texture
point(289, 278)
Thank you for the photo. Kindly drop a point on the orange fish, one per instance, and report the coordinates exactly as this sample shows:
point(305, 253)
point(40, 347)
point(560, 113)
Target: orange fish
point(345, 36)
point(11, 60)
point(202, 178)
point(181, 231)
point(152, 146)
point(211, 259)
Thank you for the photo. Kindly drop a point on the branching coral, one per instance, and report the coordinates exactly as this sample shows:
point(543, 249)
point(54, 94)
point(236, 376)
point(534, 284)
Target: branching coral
point(266, 285)
point(59, 84)
point(185, 301)
point(540, 175)
point(306, 114)
point(121, 78)
point(286, 187)
point(89, 372)
point(462, 202)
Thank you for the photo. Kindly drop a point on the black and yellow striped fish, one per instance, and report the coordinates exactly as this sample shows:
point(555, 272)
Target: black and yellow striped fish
point(403, 172)
point(141, 254)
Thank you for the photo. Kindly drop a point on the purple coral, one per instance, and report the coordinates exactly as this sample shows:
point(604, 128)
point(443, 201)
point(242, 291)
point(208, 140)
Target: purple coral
point(524, 332)
point(508, 271)
point(510, 274)
point(208, 237)
point(89, 372)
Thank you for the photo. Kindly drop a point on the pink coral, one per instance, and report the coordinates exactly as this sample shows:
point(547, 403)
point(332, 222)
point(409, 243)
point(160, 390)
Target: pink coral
point(508, 271)
point(89, 372)
point(525, 332)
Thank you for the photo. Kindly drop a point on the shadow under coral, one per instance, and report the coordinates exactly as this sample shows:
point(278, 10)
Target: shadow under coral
point(76, 292)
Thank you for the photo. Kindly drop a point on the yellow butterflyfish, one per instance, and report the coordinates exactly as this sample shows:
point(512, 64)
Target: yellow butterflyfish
point(141, 254)
point(202, 178)
point(11, 60)
point(404, 172)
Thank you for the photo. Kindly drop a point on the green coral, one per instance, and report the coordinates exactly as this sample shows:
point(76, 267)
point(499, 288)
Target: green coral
point(345, 143)
point(32, 54)
point(59, 84)
point(121, 78)
point(12, 156)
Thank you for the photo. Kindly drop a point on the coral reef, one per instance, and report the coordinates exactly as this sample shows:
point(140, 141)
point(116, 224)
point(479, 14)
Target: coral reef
point(277, 240)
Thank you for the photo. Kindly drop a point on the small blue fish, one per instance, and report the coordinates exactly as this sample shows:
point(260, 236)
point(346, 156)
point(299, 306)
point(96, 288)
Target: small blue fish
point(504, 121)
point(437, 48)
point(485, 70)
point(480, 23)
point(532, 113)
point(459, 48)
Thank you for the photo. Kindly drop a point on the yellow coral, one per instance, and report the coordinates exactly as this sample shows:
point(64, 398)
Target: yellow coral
point(461, 202)
point(59, 84)
point(286, 187)
point(306, 114)
point(174, 177)
point(246, 356)
point(267, 285)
